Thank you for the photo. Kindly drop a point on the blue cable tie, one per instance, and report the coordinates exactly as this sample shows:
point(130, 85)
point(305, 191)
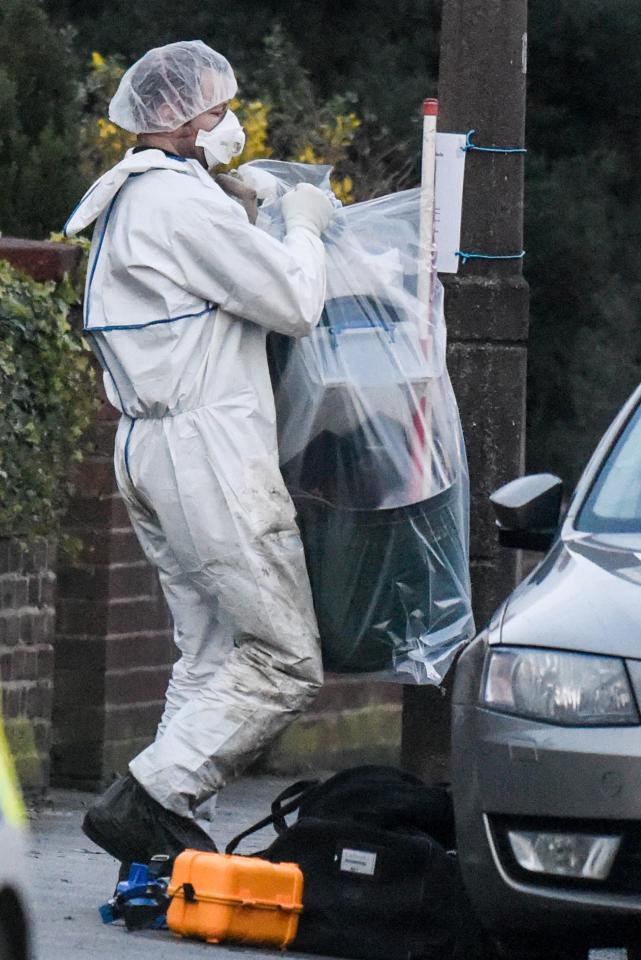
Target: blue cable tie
point(469, 145)
point(465, 256)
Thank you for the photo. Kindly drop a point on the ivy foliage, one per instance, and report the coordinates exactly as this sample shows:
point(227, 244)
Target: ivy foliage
point(46, 402)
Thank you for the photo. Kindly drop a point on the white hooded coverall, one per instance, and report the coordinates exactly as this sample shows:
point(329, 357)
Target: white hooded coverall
point(181, 291)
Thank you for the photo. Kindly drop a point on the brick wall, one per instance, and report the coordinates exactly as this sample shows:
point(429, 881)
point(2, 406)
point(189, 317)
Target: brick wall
point(41, 259)
point(352, 721)
point(113, 646)
point(114, 653)
point(27, 581)
point(27, 585)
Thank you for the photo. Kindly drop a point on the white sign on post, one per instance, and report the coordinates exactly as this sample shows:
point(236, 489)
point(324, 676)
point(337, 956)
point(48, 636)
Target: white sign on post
point(450, 172)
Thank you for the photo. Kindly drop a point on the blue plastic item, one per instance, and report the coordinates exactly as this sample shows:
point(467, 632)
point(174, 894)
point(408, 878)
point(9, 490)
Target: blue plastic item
point(141, 900)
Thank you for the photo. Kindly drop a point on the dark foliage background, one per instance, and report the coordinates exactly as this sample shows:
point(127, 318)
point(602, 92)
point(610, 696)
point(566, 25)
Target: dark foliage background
point(583, 187)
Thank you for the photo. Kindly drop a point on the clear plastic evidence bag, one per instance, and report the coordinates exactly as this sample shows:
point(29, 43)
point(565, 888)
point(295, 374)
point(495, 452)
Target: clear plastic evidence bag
point(371, 447)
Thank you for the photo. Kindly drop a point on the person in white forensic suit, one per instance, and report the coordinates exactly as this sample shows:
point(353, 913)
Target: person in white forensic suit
point(181, 291)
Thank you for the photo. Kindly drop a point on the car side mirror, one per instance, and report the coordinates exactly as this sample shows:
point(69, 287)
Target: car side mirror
point(528, 511)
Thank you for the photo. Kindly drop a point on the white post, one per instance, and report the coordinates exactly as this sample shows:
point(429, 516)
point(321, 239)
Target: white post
point(423, 419)
point(428, 190)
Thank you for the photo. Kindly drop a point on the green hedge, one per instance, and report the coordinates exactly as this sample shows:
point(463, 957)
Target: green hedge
point(47, 399)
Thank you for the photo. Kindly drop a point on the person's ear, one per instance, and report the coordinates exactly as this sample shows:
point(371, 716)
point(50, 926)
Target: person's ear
point(188, 130)
point(166, 114)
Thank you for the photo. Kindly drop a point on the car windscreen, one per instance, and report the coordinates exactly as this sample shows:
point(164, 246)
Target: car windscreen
point(614, 502)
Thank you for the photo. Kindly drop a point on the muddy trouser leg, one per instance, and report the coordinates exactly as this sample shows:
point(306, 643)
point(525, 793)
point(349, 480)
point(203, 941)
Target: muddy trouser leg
point(199, 660)
point(262, 686)
point(255, 573)
point(202, 632)
point(204, 643)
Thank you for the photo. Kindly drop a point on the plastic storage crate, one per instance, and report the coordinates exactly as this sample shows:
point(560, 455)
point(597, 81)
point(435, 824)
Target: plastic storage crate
point(217, 897)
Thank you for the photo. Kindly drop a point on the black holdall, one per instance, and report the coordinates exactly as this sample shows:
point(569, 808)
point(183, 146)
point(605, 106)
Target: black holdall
point(378, 882)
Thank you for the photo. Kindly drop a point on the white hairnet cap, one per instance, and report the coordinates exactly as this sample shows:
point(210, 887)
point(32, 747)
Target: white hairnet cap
point(170, 85)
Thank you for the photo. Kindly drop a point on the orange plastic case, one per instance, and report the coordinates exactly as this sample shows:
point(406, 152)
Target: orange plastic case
point(221, 897)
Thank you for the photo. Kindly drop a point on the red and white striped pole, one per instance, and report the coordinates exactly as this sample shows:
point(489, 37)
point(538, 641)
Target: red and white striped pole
point(428, 192)
point(422, 418)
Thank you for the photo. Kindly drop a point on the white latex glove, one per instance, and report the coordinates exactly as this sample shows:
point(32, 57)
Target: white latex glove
point(307, 207)
point(266, 185)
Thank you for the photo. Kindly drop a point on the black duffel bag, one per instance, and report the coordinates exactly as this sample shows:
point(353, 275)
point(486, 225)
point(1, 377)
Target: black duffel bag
point(378, 884)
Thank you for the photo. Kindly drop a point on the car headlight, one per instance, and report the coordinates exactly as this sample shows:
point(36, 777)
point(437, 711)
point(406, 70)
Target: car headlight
point(565, 688)
point(565, 854)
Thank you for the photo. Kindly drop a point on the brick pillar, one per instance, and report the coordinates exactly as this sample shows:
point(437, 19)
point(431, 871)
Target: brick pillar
point(113, 648)
point(113, 642)
point(27, 581)
point(482, 87)
point(27, 585)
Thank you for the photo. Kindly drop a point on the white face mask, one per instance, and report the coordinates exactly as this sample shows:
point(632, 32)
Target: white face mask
point(224, 142)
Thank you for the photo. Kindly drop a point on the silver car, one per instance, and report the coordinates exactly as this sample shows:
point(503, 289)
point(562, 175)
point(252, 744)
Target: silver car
point(547, 719)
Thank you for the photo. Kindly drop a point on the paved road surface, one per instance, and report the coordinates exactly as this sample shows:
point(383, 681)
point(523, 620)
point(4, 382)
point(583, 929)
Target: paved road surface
point(72, 877)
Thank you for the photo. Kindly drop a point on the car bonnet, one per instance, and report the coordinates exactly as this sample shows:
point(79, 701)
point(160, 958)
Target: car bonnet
point(584, 596)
